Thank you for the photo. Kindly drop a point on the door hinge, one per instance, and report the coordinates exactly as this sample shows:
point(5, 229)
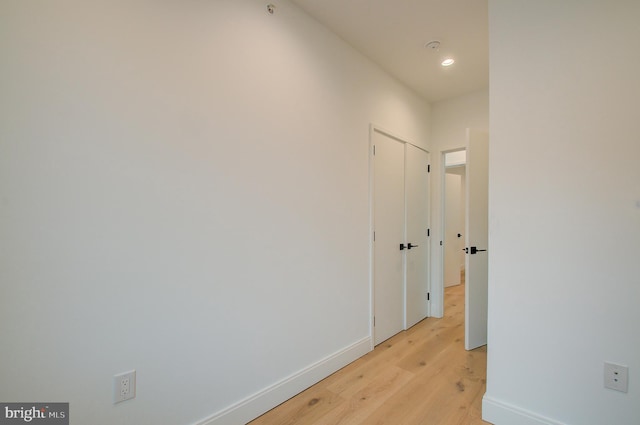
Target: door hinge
point(428, 296)
point(428, 232)
point(374, 150)
point(428, 168)
point(440, 243)
point(374, 320)
point(374, 236)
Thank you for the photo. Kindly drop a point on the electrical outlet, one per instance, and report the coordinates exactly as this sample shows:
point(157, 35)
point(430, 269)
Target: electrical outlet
point(124, 386)
point(616, 377)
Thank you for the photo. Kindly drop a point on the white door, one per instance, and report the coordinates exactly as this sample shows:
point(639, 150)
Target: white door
point(417, 255)
point(476, 239)
point(389, 220)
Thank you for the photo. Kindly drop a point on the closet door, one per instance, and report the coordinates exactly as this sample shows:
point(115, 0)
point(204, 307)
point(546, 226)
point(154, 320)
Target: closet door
point(401, 238)
point(417, 225)
point(389, 224)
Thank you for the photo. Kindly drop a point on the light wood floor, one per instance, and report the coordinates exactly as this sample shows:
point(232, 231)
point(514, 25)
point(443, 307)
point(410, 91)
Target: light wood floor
point(422, 376)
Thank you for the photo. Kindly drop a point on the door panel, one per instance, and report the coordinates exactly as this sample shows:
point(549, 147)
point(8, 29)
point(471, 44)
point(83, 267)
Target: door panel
point(417, 216)
point(388, 216)
point(477, 236)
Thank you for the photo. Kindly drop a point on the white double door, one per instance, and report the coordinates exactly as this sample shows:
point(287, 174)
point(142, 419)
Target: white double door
point(401, 235)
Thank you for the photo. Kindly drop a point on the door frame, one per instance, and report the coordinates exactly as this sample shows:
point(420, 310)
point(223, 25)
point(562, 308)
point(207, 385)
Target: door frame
point(373, 128)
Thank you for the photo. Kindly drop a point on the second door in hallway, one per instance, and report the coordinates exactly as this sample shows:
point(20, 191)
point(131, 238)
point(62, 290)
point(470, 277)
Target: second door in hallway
point(401, 249)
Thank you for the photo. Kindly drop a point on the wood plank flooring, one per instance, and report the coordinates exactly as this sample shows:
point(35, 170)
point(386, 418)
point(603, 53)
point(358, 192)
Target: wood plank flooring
point(422, 376)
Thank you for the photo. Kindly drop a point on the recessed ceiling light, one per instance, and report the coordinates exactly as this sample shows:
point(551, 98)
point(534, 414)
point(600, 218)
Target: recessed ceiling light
point(447, 62)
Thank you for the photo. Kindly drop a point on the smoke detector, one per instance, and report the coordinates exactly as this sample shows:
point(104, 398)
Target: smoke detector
point(432, 45)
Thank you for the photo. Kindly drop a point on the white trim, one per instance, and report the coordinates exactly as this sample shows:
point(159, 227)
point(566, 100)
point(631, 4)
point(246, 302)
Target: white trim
point(268, 398)
point(499, 412)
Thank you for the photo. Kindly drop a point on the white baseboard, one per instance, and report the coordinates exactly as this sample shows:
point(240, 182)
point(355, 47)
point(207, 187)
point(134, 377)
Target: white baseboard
point(268, 398)
point(498, 412)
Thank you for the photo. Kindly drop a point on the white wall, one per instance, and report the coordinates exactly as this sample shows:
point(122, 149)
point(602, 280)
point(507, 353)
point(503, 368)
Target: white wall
point(563, 279)
point(449, 121)
point(184, 190)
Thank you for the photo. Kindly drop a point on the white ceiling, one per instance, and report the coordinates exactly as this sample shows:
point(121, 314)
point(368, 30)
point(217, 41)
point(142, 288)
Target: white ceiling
point(393, 33)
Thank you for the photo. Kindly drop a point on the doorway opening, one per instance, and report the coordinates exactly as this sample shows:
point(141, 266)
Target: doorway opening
point(474, 234)
point(454, 194)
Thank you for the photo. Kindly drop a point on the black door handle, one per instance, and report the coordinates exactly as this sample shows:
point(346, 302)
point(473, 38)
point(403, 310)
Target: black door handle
point(402, 246)
point(473, 250)
point(409, 246)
